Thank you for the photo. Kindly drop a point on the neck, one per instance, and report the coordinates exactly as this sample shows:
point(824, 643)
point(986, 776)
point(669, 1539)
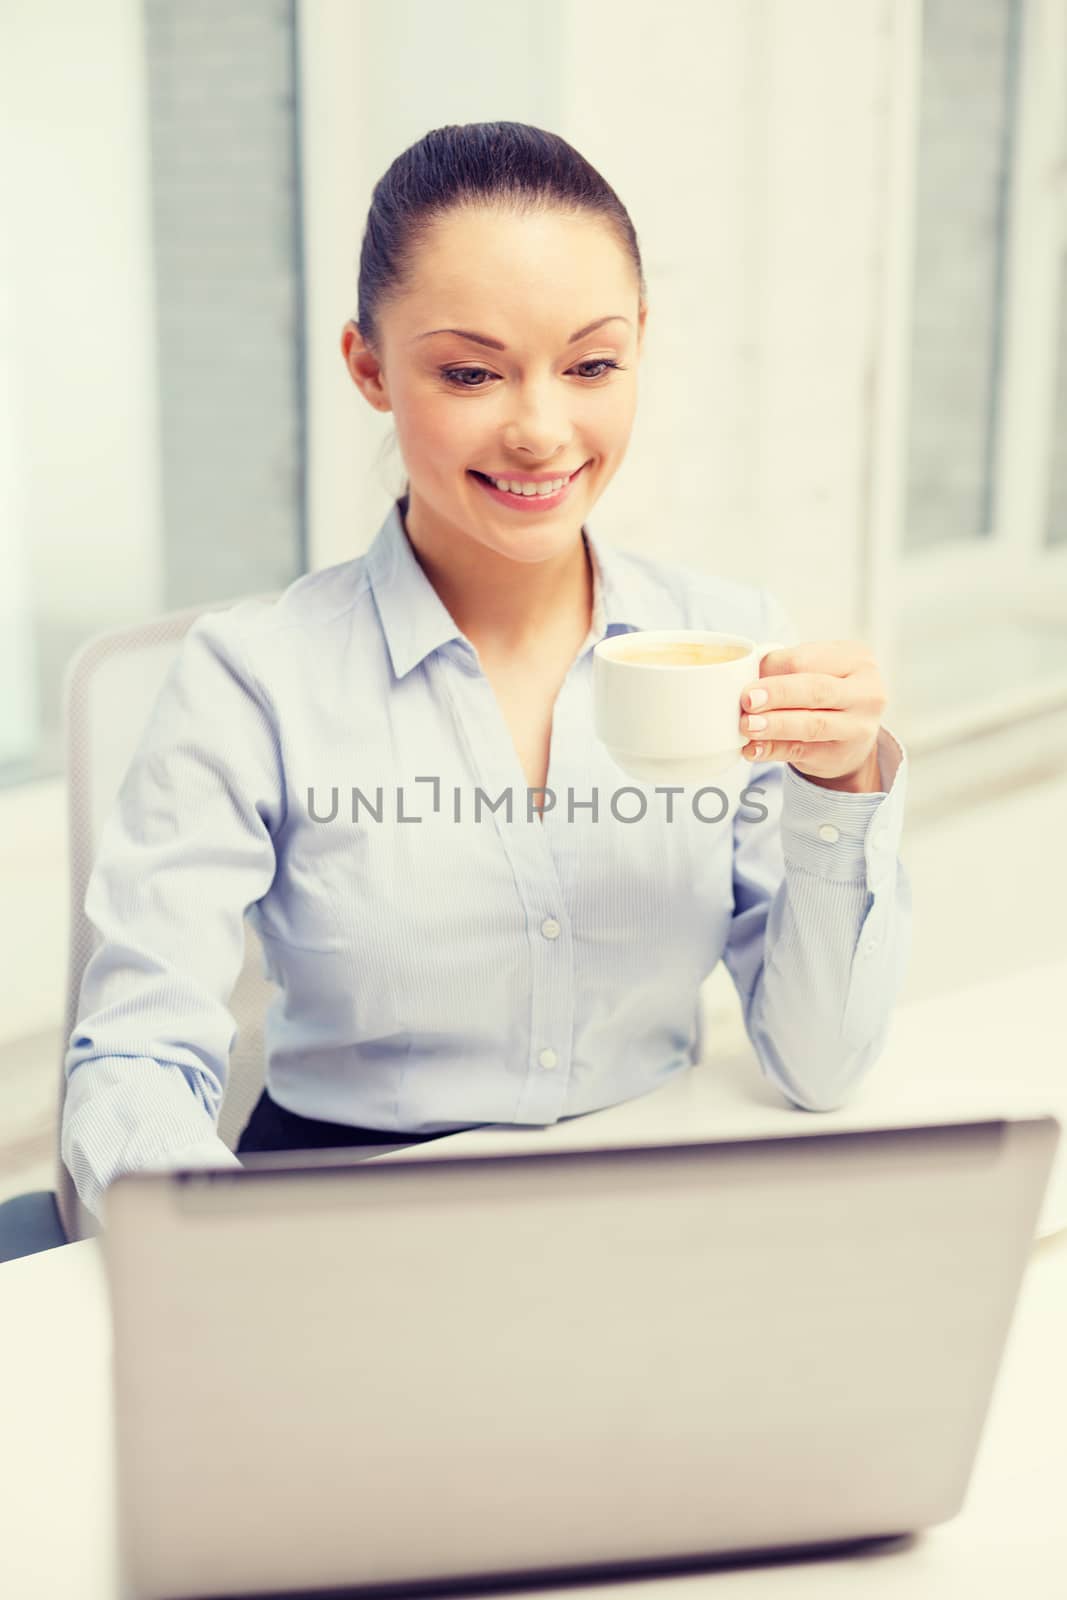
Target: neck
point(504, 606)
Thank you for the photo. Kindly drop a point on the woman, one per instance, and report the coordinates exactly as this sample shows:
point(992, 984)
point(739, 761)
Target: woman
point(336, 762)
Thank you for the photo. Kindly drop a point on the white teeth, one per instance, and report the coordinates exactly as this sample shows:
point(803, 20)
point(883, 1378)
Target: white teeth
point(510, 487)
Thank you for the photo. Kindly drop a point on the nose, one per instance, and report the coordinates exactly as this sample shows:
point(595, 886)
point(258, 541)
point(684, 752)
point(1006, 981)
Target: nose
point(539, 426)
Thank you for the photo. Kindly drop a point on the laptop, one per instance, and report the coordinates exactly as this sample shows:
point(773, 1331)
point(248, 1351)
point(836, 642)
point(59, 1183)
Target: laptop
point(336, 1376)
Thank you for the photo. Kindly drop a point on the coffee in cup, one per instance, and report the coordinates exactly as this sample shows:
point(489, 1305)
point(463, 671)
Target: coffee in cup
point(682, 654)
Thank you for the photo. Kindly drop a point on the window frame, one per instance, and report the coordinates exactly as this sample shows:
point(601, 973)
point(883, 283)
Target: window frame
point(1011, 567)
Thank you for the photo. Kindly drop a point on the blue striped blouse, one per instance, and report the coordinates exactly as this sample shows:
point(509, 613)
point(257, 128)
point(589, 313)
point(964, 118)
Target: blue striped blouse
point(334, 764)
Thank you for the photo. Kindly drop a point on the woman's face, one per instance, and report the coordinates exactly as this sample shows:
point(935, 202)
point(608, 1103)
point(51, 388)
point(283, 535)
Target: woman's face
point(531, 399)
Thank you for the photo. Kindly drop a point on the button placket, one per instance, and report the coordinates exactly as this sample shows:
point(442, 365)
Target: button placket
point(568, 755)
point(531, 847)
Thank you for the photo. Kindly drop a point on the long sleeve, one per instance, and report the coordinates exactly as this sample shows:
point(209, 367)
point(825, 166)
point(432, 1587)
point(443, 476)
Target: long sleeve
point(186, 848)
point(821, 931)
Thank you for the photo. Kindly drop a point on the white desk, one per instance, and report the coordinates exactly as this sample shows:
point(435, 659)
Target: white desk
point(944, 1058)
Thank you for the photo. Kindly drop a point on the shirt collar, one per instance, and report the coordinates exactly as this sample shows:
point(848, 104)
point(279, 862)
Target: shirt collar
point(416, 621)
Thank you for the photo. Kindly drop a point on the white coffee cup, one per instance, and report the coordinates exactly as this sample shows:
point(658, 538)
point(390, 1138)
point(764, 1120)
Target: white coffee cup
point(667, 723)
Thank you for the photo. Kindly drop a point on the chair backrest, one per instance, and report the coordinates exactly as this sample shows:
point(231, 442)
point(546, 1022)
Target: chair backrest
point(109, 691)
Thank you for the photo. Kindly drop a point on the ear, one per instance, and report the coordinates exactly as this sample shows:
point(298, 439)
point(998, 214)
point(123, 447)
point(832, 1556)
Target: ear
point(364, 368)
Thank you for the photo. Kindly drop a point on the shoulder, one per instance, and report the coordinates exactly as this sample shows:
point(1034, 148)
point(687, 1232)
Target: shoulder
point(256, 625)
point(312, 600)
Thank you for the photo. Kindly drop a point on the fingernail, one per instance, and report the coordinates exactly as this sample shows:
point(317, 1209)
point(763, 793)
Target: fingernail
point(757, 697)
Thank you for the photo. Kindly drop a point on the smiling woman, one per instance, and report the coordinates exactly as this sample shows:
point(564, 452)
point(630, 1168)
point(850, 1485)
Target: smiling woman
point(500, 241)
point(544, 961)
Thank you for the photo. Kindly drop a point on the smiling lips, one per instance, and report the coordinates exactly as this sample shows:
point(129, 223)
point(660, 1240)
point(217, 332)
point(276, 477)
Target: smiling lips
point(530, 498)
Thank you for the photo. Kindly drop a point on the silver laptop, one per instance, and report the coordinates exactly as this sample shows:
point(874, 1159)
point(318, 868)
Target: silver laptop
point(355, 1376)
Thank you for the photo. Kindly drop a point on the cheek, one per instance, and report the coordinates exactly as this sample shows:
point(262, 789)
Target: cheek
point(608, 415)
point(624, 409)
point(442, 432)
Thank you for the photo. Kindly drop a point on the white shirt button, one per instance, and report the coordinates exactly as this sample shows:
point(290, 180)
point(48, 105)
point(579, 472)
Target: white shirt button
point(879, 839)
point(550, 928)
point(871, 943)
point(548, 1058)
point(829, 833)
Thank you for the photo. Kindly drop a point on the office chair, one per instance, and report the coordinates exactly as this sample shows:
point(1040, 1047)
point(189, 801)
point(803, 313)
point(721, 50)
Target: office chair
point(110, 687)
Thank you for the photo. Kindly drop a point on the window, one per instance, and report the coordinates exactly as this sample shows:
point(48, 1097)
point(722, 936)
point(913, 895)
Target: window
point(151, 339)
point(981, 558)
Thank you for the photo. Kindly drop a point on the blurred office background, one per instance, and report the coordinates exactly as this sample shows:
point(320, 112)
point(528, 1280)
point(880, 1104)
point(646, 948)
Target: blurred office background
point(853, 215)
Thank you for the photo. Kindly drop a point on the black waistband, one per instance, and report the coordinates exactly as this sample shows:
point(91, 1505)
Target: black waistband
point(273, 1127)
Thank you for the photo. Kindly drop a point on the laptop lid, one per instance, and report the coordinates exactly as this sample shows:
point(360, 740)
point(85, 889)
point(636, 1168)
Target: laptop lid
point(358, 1374)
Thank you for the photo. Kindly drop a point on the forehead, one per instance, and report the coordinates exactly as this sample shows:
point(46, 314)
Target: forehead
point(507, 265)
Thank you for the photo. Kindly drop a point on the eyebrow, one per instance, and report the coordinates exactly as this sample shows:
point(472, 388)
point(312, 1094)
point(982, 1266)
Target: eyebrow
point(495, 344)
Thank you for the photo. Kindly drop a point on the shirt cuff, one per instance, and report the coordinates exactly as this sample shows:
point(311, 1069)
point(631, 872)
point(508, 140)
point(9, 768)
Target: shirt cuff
point(200, 1153)
point(851, 837)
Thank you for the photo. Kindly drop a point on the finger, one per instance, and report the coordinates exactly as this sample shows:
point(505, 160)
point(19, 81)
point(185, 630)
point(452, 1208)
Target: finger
point(798, 690)
point(810, 754)
point(809, 727)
